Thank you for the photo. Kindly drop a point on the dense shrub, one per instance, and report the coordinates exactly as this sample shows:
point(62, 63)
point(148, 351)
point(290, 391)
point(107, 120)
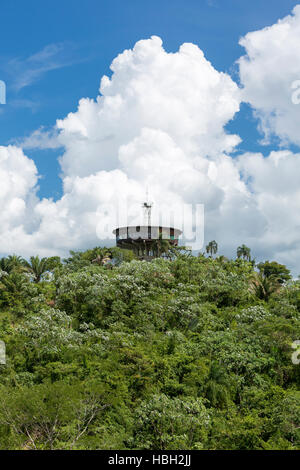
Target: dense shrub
point(168, 354)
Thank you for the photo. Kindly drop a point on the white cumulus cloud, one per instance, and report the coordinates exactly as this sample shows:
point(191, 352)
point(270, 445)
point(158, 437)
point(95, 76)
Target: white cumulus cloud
point(270, 74)
point(180, 94)
point(158, 122)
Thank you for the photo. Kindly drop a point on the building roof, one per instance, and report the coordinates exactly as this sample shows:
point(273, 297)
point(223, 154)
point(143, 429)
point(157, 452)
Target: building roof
point(143, 227)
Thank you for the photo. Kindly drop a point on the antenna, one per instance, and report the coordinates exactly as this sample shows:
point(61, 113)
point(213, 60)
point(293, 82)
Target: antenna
point(147, 206)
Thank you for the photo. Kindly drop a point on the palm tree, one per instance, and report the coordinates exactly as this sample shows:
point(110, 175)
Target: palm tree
point(37, 267)
point(102, 256)
point(160, 246)
point(175, 252)
point(13, 284)
point(5, 265)
point(264, 286)
point(222, 259)
point(212, 247)
point(12, 263)
point(217, 388)
point(244, 252)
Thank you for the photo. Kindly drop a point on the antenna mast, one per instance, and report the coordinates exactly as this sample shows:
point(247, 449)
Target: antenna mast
point(147, 206)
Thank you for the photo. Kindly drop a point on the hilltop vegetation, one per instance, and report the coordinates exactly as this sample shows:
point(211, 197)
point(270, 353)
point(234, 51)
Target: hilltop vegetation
point(179, 353)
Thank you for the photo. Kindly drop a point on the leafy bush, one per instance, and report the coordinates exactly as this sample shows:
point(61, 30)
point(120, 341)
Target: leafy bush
point(179, 353)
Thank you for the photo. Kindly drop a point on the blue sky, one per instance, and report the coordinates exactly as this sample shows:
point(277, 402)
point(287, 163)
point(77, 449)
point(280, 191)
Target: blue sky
point(167, 119)
point(82, 37)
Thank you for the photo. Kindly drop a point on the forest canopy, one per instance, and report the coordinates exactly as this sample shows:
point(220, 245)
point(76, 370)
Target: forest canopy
point(104, 351)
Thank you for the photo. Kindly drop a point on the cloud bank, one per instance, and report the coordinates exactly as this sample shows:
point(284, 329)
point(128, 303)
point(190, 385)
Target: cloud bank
point(268, 72)
point(159, 122)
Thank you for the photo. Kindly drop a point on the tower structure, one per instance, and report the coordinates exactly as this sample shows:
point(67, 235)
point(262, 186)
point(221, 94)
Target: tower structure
point(147, 241)
point(147, 206)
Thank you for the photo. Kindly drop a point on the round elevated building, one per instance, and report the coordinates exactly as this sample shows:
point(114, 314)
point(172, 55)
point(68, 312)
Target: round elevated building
point(147, 241)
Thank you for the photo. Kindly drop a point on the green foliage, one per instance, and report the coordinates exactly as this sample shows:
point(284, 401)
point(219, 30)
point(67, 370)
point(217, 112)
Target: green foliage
point(98, 256)
point(11, 263)
point(272, 269)
point(37, 267)
point(170, 423)
point(264, 286)
point(212, 247)
point(181, 352)
point(41, 417)
point(244, 252)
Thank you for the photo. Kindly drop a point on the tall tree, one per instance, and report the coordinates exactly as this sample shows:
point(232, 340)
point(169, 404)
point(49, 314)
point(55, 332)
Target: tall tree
point(37, 267)
point(212, 247)
point(101, 256)
point(263, 287)
point(160, 246)
point(12, 263)
point(268, 269)
point(244, 252)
